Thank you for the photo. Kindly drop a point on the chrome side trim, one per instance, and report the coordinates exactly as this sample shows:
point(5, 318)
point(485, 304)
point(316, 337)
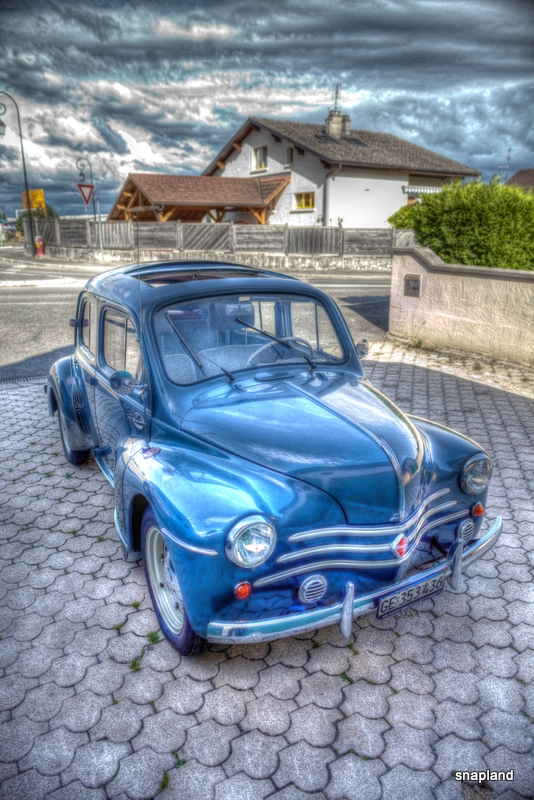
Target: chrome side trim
point(267, 630)
point(105, 469)
point(203, 551)
point(335, 548)
point(376, 530)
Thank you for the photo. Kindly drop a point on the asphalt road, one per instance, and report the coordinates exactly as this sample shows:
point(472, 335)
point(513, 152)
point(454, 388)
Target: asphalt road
point(37, 298)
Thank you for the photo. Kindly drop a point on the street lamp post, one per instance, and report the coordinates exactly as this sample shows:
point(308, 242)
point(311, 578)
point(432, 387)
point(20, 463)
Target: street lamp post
point(2, 132)
point(81, 164)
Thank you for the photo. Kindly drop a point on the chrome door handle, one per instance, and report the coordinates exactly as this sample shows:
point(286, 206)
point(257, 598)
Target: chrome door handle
point(137, 419)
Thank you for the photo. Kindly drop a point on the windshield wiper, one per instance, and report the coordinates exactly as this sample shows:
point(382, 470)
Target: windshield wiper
point(276, 339)
point(229, 375)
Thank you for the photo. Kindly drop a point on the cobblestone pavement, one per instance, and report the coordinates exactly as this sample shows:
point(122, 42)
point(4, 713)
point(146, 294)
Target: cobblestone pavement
point(92, 706)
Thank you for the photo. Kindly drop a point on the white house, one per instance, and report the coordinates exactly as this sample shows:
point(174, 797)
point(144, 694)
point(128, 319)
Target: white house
point(338, 175)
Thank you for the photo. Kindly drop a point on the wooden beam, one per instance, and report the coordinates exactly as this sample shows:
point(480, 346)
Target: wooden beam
point(276, 138)
point(325, 165)
point(122, 208)
point(211, 215)
point(127, 194)
point(255, 127)
point(259, 213)
point(163, 217)
point(221, 165)
point(300, 151)
point(220, 214)
point(237, 147)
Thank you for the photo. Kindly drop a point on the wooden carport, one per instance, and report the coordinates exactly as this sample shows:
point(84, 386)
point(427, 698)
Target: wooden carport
point(190, 198)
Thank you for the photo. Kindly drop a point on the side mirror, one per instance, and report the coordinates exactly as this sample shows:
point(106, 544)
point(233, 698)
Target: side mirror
point(362, 348)
point(122, 382)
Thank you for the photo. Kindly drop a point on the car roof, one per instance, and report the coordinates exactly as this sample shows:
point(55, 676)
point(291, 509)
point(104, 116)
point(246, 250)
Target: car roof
point(152, 284)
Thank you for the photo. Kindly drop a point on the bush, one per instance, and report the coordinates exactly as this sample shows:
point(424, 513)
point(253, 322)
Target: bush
point(489, 225)
point(37, 213)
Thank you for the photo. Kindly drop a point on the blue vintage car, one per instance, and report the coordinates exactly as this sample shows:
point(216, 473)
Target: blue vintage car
point(270, 488)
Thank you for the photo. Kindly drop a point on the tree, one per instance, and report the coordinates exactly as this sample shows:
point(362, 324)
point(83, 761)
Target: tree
point(485, 224)
point(37, 213)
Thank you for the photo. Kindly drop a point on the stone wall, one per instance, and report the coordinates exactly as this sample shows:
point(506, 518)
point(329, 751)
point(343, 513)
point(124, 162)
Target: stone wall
point(479, 310)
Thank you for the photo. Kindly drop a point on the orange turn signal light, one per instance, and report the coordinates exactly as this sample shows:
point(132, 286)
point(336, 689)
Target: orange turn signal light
point(477, 510)
point(243, 590)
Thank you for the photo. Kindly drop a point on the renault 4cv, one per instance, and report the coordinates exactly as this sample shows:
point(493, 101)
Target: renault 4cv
point(271, 489)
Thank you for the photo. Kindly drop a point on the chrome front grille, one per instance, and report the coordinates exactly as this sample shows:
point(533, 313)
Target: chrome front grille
point(312, 589)
point(373, 555)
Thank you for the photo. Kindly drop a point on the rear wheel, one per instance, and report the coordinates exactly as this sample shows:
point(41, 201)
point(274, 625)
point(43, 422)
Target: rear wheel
point(76, 457)
point(165, 590)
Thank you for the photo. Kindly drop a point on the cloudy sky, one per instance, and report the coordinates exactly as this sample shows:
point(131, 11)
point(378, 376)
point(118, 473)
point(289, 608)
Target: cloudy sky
point(146, 86)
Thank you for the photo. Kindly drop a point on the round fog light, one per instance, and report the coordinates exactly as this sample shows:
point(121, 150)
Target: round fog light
point(243, 590)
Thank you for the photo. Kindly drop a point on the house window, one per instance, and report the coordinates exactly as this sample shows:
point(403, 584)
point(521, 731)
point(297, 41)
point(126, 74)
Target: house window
point(289, 158)
point(305, 200)
point(260, 158)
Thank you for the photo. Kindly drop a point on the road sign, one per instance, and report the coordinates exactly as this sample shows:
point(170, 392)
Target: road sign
point(86, 191)
point(37, 199)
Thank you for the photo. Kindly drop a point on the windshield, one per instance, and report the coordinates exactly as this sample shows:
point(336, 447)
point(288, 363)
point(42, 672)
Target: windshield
point(198, 339)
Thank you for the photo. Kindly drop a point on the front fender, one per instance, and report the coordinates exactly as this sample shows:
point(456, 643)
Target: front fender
point(61, 386)
point(197, 494)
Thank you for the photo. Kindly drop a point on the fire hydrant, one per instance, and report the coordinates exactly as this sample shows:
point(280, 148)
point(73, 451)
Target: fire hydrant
point(39, 246)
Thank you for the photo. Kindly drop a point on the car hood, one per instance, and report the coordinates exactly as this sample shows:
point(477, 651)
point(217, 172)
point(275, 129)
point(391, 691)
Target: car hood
point(336, 433)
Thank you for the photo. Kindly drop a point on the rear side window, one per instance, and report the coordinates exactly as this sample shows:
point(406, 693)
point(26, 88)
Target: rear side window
point(120, 347)
point(89, 326)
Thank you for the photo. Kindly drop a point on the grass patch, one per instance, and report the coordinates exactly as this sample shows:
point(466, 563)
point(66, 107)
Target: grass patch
point(136, 604)
point(68, 474)
point(100, 538)
point(477, 366)
point(164, 781)
point(354, 650)
point(135, 663)
point(179, 762)
point(119, 625)
point(153, 637)
point(418, 344)
point(346, 677)
point(114, 702)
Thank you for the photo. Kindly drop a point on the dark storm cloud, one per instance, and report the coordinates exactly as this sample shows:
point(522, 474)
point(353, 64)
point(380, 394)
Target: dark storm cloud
point(451, 75)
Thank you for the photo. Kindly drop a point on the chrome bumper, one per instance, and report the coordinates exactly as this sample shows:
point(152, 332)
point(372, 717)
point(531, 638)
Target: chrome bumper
point(267, 630)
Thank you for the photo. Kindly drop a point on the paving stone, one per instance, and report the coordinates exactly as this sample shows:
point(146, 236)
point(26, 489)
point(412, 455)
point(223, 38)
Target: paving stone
point(410, 676)
point(164, 732)
point(269, 715)
point(497, 634)
point(43, 702)
point(29, 785)
point(104, 678)
point(490, 609)
point(279, 681)
point(69, 670)
point(525, 666)
point(96, 763)
point(109, 615)
point(184, 695)
point(328, 659)
point(80, 712)
point(241, 787)
point(415, 710)
point(503, 760)
point(369, 666)
point(379, 642)
point(17, 737)
point(93, 641)
point(323, 690)
point(355, 779)
point(9, 650)
point(140, 774)
point(366, 699)
point(34, 662)
point(459, 657)
point(162, 657)
point(454, 753)
point(361, 735)
point(239, 672)
point(79, 610)
point(402, 783)
point(209, 742)
point(452, 685)
point(313, 724)
point(140, 622)
point(500, 693)
point(77, 791)
point(409, 746)
point(460, 719)
point(225, 705)
point(289, 652)
point(305, 766)
point(53, 752)
point(513, 731)
point(413, 648)
point(523, 637)
point(192, 782)
point(255, 754)
point(121, 721)
point(143, 686)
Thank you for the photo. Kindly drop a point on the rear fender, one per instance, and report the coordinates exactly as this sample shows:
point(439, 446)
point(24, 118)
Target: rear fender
point(62, 383)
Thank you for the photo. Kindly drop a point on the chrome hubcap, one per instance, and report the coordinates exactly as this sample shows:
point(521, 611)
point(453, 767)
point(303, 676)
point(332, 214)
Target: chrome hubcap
point(164, 581)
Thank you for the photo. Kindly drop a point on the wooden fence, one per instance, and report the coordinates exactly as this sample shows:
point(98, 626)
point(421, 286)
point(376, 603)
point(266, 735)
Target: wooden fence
point(222, 238)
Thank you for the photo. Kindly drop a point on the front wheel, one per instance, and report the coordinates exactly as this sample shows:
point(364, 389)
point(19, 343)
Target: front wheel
point(75, 457)
point(165, 590)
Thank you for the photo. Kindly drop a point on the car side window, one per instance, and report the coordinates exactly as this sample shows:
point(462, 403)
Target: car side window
point(120, 347)
point(88, 329)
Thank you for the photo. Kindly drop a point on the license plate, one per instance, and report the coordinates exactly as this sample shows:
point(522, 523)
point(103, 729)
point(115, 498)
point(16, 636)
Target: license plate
point(405, 597)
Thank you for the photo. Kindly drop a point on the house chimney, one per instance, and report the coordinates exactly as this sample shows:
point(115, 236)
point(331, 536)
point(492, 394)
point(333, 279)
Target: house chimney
point(332, 126)
point(345, 125)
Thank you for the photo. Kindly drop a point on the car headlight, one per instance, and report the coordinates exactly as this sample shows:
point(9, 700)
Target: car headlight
point(476, 474)
point(250, 542)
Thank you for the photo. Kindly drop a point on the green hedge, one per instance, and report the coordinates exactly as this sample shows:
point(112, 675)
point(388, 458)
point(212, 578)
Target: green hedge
point(485, 224)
